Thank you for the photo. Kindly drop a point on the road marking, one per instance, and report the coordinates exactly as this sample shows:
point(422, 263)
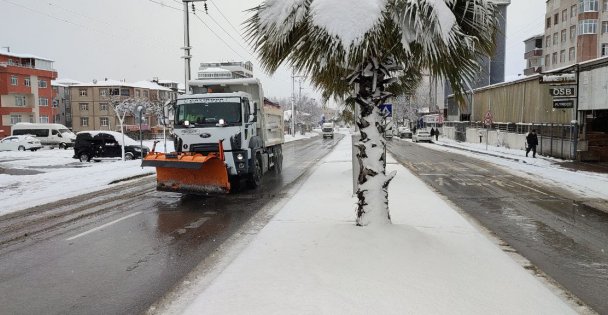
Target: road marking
point(103, 226)
point(536, 190)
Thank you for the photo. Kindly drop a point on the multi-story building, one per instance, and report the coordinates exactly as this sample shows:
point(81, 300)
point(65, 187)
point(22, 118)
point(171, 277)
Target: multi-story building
point(575, 31)
point(91, 109)
point(62, 101)
point(25, 90)
point(225, 70)
point(533, 55)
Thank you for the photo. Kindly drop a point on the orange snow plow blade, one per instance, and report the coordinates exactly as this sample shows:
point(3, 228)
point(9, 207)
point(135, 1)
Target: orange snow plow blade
point(190, 173)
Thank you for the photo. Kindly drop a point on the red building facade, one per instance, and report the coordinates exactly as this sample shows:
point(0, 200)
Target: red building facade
point(26, 94)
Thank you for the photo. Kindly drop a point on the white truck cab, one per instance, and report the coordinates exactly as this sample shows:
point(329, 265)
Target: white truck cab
point(328, 130)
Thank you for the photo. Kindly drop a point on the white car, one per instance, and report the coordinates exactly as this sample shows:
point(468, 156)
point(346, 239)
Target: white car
point(21, 143)
point(404, 132)
point(422, 135)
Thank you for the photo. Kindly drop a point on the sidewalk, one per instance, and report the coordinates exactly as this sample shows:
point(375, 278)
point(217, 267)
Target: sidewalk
point(312, 259)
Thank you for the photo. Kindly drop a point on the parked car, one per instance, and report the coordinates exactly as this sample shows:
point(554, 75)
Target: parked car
point(422, 135)
point(20, 143)
point(48, 134)
point(404, 132)
point(106, 144)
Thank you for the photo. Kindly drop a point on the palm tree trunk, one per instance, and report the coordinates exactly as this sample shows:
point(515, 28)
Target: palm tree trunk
point(372, 190)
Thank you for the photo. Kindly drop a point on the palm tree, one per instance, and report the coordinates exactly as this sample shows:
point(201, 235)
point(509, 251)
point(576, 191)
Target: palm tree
point(370, 48)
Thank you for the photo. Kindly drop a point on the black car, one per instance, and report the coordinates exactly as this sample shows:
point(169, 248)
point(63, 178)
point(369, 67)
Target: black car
point(106, 144)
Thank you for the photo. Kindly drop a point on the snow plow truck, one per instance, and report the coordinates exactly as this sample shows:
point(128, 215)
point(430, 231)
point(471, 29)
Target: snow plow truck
point(224, 133)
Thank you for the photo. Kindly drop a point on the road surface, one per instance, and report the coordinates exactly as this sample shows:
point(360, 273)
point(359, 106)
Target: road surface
point(547, 225)
point(119, 250)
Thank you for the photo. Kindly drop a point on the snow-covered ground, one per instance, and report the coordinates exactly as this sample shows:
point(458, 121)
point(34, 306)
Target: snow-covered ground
point(59, 176)
point(312, 259)
point(542, 169)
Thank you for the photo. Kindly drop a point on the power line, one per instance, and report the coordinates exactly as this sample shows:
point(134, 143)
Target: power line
point(220, 26)
point(162, 4)
point(220, 38)
point(225, 18)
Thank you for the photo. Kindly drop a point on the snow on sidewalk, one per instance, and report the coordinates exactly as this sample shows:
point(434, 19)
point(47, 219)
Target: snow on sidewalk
point(312, 259)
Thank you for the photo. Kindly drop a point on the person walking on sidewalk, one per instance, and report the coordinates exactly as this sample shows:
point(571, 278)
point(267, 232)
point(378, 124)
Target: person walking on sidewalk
point(532, 142)
point(437, 134)
point(432, 132)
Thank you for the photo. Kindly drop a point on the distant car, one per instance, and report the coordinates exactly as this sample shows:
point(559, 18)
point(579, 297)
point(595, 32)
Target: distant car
point(20, 143)
point(106, 144)
point(404, 132)
point(422, 135)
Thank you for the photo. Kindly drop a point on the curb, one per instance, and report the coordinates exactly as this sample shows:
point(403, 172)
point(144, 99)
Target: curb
point(130, 178)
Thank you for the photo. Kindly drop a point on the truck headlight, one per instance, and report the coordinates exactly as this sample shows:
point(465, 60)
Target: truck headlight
point(239, 157)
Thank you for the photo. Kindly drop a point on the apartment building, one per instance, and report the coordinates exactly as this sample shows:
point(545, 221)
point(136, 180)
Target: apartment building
point(533, 54)
point(62, 101)
point(225, 70)
point(91, 109)
point(25, 90)
point(575, 31)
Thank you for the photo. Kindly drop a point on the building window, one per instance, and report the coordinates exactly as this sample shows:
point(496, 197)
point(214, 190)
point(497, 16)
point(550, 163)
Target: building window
point(114, 91)
point(14, 80)
point(605, 8)
point(55, 103)
point(104, 121)
point(555, 39)
point(83, 92)
point(604, 51)
point(573, 11)
point(571, 54)
point(572, 33)
point(57, 118)
point(587, 27)
point(547, 61)
point(548, 41)
point(43, 101)
point(84, 106)
point(103, 92)
point(146, 93)
point(565, 15)
point(84, 121)
point(32, 119)
point(19, 100)
point(44, 119)
point(564, 36)
point(103, 106)
point(587, 5)
point(556, 19)
point(554, 58)
point(27, 82)
point(605, 26)
point(562, 56)
point(137, 93)
point(42, 85)
point(548, 22)
point(124, 92)
point(15, 119)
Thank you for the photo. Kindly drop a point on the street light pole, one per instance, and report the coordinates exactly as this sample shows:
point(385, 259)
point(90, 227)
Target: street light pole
point(141, 139)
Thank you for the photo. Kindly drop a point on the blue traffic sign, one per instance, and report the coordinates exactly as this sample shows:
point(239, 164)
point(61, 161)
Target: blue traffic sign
point(386, 110)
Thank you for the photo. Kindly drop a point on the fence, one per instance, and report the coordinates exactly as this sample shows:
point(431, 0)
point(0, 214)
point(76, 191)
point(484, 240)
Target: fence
point(555, 140)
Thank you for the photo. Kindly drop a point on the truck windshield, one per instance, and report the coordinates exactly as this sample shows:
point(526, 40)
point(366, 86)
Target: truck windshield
point(209, 111)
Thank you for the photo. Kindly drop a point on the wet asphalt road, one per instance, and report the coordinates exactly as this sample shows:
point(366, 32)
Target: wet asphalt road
point(547, 225)
point(119, 250)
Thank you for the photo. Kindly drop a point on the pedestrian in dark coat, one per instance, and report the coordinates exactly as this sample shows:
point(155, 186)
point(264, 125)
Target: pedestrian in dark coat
point(532, 141)
point(432, 132)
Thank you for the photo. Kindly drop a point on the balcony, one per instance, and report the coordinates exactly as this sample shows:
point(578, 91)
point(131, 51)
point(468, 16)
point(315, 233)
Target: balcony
point(536, 52)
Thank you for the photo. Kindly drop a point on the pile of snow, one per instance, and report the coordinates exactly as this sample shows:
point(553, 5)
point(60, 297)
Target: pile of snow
point(299, 136)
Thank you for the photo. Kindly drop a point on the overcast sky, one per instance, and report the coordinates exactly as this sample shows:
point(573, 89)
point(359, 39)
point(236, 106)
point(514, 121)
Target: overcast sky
point(141, 39)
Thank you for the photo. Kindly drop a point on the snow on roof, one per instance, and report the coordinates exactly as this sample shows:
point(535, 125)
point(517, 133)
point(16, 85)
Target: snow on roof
point(150, 85)
point(64, 82)
point(117, 136)
point(166, 81)
point(139, 84)
point(30, 56)
point(215, 70)
point(208, 82)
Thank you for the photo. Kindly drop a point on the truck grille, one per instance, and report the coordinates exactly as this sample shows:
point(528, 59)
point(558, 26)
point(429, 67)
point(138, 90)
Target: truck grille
point(205, 147)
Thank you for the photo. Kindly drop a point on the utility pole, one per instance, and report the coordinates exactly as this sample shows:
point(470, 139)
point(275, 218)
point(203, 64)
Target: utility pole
point(187, 56)
point(293, 100)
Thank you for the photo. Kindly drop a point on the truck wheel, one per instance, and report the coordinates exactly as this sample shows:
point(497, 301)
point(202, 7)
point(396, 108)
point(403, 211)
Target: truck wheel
point(21, 148)
point(62, 146)
point(129, 156)
point(255, 179)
